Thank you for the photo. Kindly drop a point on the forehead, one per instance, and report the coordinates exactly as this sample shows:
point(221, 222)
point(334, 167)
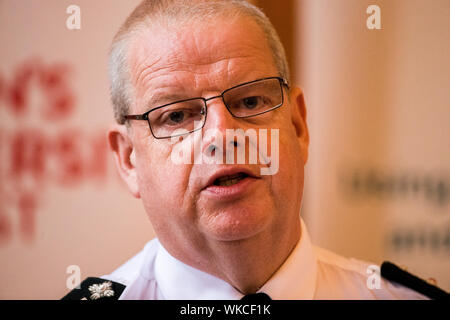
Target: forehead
point(212, 55)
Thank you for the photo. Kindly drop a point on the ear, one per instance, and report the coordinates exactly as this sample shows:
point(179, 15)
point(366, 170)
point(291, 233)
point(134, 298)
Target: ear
point(298, 116)
point(121, 145)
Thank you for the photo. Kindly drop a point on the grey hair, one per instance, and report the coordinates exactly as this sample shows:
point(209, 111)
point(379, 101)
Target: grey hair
point(149, 12)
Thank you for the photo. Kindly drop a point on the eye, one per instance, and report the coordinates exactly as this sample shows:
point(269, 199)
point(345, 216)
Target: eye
point(176, 116)
point(251, 102)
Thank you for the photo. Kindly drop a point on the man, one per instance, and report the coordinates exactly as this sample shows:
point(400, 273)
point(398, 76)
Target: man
point(182, 74)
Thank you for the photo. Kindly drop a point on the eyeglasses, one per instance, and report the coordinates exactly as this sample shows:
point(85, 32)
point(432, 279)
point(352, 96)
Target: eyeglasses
point(245, 100)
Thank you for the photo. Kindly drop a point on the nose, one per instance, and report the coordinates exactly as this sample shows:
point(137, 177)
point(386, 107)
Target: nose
point(218, 116)
point(218, 120)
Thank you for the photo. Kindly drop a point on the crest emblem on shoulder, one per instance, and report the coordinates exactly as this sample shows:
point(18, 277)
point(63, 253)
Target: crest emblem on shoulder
point(101, 290)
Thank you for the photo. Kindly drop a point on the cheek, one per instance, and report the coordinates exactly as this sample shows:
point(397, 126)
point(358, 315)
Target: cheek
point(163, 184)
point(288, 182)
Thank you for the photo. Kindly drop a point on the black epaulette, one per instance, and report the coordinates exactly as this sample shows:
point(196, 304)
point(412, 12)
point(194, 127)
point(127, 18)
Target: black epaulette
point(96, 289)
point(393, 273)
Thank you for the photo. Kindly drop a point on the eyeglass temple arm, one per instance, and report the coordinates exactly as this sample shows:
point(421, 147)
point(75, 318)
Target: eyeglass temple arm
point(284, 82)
point(136, 117)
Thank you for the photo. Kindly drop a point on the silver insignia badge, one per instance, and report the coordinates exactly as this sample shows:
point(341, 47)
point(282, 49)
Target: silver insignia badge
point(101, 290)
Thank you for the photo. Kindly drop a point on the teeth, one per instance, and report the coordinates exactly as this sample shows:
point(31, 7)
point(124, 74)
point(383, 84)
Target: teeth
point(230, 180)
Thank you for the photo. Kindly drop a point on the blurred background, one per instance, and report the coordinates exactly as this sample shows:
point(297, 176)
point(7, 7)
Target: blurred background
point(376, 82)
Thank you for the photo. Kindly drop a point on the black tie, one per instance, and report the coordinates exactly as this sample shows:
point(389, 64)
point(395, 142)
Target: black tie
point(256, 297)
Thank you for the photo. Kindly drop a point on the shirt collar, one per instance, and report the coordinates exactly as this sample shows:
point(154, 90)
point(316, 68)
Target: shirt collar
point(295, 279)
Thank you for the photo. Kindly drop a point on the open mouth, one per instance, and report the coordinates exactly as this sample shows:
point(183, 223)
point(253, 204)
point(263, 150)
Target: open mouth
point(230, 180)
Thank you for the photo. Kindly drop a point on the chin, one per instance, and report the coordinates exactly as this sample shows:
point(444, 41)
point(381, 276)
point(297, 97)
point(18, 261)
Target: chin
point(236, 224)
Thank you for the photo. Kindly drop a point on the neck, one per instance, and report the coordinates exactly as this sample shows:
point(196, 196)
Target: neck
point(248, 264)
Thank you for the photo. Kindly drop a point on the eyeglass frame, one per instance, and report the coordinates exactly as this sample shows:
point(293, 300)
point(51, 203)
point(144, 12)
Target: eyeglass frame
point(144, 116)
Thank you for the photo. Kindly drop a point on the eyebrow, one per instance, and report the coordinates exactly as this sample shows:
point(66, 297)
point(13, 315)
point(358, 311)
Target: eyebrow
point(161, 99)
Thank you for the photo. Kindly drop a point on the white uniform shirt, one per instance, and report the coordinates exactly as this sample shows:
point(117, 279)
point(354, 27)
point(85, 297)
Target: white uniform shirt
point(308, 273)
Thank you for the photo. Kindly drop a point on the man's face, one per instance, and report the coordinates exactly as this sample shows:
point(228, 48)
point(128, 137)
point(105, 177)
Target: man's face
point(202, 60)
